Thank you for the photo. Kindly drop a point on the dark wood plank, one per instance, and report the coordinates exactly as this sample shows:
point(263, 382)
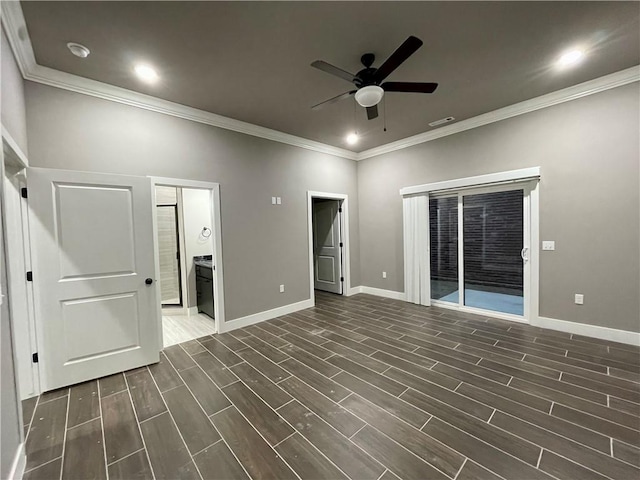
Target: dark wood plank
point(112, 384)
point(307, 346)
point(391, 404)
point(321, 383)
point(54, 394)
point(404, 464)
point(46, 435)
point(369, 376)
point(168, 454)
point(216, 371)
point(121, 434)
point(262, 334)
point(291, 327)
point(553, 424)
point(133, 467)
point(332, 413)
point(28, 407)
point(218, 463)
point(84, 404)
point(84, 452)
point(48, 471)
point(208, 395)
point(311, 361)
point(482, 453)
point(273, 395)
point(626, 452)
point(339, 339)
point(562, 468)
point(147, 400)
point(272, 427)
point(164, 374)
point(425, 447)
point(265, 349)
point(624, 406)
point(460, 402)
point(193, 424)
point(418, 371)
point(473, 471)
point(255, 455)
point(417, 360)
point(343, 453)
point(192, 347)
point(600, 462)
point(231, 342)
point(221, 352)
point(630, 394)
point(265, 366)
point(306, 460)
point(178, 357)
point(357, 357)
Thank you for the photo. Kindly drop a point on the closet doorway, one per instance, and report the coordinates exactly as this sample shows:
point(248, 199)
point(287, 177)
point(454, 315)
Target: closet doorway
point(479, 244)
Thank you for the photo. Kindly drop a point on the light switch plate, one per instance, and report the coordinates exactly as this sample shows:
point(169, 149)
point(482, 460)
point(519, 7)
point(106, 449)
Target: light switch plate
point(548, 245)
point(281, 288)
point(279, 200)
point(273, 200)
point(579, 299)
point(384, 274)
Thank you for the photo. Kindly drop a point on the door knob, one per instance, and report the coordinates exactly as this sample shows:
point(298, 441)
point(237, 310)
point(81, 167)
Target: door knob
point(149, 281)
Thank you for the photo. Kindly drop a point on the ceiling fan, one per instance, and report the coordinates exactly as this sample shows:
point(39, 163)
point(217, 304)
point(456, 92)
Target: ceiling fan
point(368, 81)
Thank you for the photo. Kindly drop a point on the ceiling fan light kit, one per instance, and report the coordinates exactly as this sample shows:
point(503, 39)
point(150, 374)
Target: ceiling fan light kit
point(368, 81)
point(369, 96)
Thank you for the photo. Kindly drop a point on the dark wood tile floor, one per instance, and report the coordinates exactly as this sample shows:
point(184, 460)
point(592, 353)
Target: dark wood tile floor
point(361, 388)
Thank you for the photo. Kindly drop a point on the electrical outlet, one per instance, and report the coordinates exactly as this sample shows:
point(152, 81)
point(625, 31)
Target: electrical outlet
point(273, 200)
point(548, 245)
point(279, 200)
point(579, 299)
point(384, 274)
point(281, 288)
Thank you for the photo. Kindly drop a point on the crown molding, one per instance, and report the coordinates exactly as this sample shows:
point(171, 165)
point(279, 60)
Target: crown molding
point(613, 80)
point(16, 30)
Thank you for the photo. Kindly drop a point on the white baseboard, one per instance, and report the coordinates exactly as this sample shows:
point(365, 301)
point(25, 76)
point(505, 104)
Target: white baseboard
point(19, 463)
point(266, 315)
point(379, 292)
point(595, 331)
point(192, 310)
point(353, 291)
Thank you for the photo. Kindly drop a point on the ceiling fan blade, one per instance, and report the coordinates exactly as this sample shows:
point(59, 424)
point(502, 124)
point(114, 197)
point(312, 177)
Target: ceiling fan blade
point(416, 87)
point(333, 70)
point(403, 52)
point(372, 112)
point(333, 100)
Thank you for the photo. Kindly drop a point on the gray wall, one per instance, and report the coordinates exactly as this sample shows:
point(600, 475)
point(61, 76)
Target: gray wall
point(13, 113)
point(264, 245)
point(589, 200)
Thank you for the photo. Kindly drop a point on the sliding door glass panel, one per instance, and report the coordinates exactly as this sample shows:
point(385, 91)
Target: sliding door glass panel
point(493, 235)
point(169, 256)
point(443, 233)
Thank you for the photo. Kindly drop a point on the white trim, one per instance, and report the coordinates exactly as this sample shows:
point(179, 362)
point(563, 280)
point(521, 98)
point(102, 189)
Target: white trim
point(479, 311)
point(344, 228)
point(192, 310)
point(12, 151)
point(266, 315)
point(353, 291)
point(19, 463)
point(459, 183)
point(593, 331)
point(607, 82)
point(216, 222)
point(379, 292)
point(13, 21)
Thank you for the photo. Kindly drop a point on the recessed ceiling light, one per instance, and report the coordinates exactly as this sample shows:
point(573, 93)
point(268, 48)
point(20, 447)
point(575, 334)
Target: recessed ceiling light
point(571, 57)
point(352, 138)
point(146, 73)
point(78, 50)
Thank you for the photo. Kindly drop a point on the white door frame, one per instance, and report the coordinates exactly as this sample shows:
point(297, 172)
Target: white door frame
point(344, 228)
point(216, 221)
point(20, 291)
point(531, 243)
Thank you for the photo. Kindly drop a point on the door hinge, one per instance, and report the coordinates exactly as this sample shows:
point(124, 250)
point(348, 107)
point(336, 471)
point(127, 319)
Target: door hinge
point(34, 357)
point(23, 192)
point(340, 210)
point(29, 276)
point(341, 245)
point(342, 279)
point(177, 255)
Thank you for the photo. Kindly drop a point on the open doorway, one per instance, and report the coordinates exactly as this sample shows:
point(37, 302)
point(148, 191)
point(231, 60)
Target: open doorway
point(328, 243)
point(187, 240)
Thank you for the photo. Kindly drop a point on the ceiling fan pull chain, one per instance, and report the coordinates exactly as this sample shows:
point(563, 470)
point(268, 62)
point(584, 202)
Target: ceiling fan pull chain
point(384, 113)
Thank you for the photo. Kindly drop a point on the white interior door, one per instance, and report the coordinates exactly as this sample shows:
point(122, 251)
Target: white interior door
point(93, 264)
point(327, 253)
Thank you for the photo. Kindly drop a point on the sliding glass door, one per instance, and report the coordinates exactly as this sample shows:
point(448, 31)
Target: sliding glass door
point(478, 255)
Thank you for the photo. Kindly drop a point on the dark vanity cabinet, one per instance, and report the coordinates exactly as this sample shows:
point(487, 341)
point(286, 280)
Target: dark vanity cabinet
point(204, 288)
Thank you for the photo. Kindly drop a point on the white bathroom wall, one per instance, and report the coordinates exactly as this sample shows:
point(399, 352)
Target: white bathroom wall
point(196, 208)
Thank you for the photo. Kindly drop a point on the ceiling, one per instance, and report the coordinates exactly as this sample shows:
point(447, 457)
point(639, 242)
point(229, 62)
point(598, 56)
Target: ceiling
point(250, 60)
